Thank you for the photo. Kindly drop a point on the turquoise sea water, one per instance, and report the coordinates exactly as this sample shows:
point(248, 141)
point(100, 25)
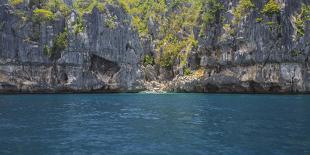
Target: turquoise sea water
point(155, 124)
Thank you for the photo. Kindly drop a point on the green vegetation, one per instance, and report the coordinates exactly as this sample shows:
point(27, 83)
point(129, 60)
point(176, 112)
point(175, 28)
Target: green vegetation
point(187, 71)
point(211, 14)
point(60, 43)
point(242, 9)
point(22, 14)
point(47, 51)
point(174, 48)
point(142, 11)
point(87, 6)
point(270, 23)
point(57, 5)
point(78, 25)
point(170, 25)
point(43, 15)
point(36, 3)
point(148, 60)
point(214, 7)
point(304, 15)
point(167, 60)
point(273, 26)
point(175, 21)
point(172, 19)
point(259, 20)
point(15, 2)
point(295, 53)
point(124, 4)
point(271, 8)
point(35, 36)
point(110, 22)
point(228, 29)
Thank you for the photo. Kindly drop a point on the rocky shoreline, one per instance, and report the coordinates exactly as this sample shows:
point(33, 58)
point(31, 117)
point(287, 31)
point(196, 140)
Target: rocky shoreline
point(104, 56)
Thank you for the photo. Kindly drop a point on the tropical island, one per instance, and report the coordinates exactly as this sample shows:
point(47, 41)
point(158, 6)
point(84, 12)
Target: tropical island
point(208, 77)
point(253, 46)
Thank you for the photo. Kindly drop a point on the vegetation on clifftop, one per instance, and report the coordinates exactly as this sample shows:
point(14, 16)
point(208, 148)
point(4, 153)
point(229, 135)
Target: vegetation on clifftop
point(301, 18)
point(15, 2)
point(271, 8)
point(174, 27)
point(242, 10)
point(43, 15)
point(87, 6)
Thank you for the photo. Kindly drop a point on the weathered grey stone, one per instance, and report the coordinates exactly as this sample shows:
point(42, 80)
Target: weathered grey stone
point(150, 73)
point(97, 59)
point(256, 58)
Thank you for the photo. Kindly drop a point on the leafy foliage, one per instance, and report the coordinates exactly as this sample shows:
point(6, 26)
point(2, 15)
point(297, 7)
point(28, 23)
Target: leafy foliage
point(213, 9)
point(241, 10)
point(259, 20)
point(110, 22)
point(78, 26)
point(187, 71)
point(87, 6)
point(15, 2)
point(37, 3)
point(148, 60)
point(142, 11)
point(57, 5)
point(167, 60)
point(295, 53)
point(171, 25)
point(60, 43)
point(47, 51)
point(43, 15)
point(174, 17)
point(303, 16)
point(271, 8)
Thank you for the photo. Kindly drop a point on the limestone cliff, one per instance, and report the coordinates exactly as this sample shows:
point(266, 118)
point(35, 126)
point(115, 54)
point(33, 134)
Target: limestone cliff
point(98, 58)
point(261, 52)
point(225, 46)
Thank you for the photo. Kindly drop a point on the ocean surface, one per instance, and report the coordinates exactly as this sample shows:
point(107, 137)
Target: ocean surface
point(228, 124)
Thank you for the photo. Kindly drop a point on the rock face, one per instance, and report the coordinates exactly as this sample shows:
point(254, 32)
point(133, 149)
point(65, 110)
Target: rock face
point(97, 59)
point(257, 57)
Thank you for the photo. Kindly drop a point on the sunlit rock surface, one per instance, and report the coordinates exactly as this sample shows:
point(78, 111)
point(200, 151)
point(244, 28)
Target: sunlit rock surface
point(258, 58)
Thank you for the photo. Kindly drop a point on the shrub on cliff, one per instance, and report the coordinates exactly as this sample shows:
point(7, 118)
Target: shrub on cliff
point(110, 22)
point(187, 71)
point(15, 2)
point(167, 60)
point(303, 15)
point(87, 6)
point(241, 10)
point(148, 60)
point(57, 5)
point(125, 5)
point(37, 3)
point(213, 9)
point(60, 43)
point(43, 15)
point(271, 8)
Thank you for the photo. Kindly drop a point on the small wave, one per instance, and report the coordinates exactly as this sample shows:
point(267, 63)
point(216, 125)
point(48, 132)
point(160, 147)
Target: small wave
point(153, 92)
